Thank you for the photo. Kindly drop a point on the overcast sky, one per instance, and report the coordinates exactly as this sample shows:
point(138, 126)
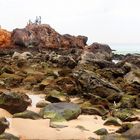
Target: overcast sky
point(105, 21)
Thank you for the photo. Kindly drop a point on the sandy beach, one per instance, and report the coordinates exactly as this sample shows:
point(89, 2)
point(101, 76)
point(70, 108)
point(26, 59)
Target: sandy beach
point(81, 128)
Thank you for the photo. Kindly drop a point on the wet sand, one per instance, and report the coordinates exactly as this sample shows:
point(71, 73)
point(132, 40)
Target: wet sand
point(39, 129)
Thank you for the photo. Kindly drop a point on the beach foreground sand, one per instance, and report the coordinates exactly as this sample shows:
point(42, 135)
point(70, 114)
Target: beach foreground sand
point(81, 128)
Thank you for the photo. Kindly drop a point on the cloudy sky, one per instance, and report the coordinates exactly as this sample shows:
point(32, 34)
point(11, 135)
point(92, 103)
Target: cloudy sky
point(105, 21)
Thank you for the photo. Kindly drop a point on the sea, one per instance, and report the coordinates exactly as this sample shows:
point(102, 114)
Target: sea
point(125, 48)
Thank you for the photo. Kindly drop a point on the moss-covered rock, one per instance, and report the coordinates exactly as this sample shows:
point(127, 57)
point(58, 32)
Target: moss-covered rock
point(61, 111)
point(124, 114)
point(14, 102)
point(113, 121)
point(96, 100)
point(7, 136)
point(55, 96)
point(11, 80)
point(124, 127)
point(114, 137)
point(128, 101)
point(27, 115)
point(138, 101)
point(101, 131)
point(7, 69)
point(88, 108)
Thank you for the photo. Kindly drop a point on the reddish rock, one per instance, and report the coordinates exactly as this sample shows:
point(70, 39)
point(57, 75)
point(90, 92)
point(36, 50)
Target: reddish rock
point(5, 38)
point(44, 36)
point(14, 102)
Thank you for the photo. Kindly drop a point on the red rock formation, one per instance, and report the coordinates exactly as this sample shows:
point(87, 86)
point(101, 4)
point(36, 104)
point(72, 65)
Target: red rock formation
point(44, 36)
point(5, 38)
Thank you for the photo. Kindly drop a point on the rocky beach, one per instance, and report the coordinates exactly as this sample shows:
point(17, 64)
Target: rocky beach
point(57, 87)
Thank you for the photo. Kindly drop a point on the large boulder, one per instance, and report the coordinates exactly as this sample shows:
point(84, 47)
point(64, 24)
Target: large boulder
point(5, 38)
point(96, 51)
point(91, 84)
point(133, 133)
point(45, 36)
point(133, 59)
point(61, 111)
point(14, 102)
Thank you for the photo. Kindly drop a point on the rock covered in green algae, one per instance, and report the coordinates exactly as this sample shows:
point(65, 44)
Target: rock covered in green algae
point(124, 127)
point(124, 114)
point(101, 131)
point(60, 111)
point(113, 121)
point(55, 96)
point(11, 80)
point(114, 137)
point(92, 84)
point(88, 108)
point(7, 136)
point(14, 102)
point(27, 115)
point(128, 101)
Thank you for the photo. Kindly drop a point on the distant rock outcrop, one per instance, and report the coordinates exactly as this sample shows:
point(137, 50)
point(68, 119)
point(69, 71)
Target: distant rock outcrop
point(44, 36)
point(5, 38)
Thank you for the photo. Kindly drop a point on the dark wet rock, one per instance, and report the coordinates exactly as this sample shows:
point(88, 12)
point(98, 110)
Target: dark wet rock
point(63, 60)
point(64, 72)
point(7, 69)
point(33, 78)
point(113, 121)
point(97, 52)
point(42, 104)
point(4, 124)
point(125, 115)
point(133, 59)
point(133, 133)
point(133, 76)
point(60, 111)
point(14, 102)
point(101, 131)
point(138, 101)
point(128, 101)
point(88, 108)
point(27, 114)
point(118, 56)
point(114, 137)
point(55, 96)
point(124, 127)
point(114, 98)
point(67, 85)
point(96, 100)
point(92, 84)
point(111, 74)
point(11, 80)
point(8, 136)
point(45, 37)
